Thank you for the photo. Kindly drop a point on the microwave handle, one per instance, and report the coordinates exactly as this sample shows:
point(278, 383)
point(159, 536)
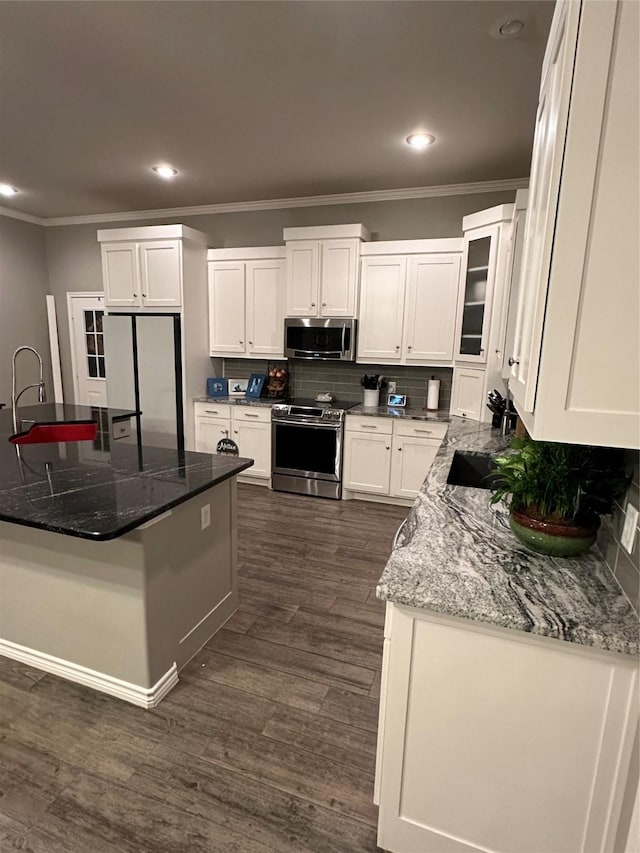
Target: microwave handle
point(344, 332)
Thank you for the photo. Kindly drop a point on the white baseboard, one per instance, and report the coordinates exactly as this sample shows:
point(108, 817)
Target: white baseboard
point(144, 697)
point(349, 495)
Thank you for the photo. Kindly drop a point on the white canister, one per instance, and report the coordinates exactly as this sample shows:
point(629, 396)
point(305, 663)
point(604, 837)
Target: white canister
point(433, 394)
point(371, 397)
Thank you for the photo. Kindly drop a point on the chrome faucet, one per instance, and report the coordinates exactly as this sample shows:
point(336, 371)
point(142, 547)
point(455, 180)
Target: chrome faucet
point(42, 395)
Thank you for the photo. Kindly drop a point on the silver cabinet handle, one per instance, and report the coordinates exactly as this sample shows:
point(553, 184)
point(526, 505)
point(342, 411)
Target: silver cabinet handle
point(427, 431)
point(368, 426)
point(398, 532)
point(212, 412)
point(249, 415)
point(513, 361)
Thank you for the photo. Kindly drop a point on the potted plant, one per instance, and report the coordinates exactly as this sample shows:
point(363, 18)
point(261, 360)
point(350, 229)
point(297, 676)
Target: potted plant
point(372, 386)
point(557, 493)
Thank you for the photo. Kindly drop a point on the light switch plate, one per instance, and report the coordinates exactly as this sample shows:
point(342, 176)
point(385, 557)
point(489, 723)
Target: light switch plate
point(628, 535)
point(391, 389)
point(205, 516)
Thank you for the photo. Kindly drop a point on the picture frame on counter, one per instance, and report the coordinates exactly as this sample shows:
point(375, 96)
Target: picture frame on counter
point(217, 386)
point(255, 386)
point(237, 387)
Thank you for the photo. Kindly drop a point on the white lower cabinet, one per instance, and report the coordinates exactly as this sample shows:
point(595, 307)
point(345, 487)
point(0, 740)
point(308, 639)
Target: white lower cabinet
point(496, 740)
point(388, 458)
point(467, 393)
point(248, 426)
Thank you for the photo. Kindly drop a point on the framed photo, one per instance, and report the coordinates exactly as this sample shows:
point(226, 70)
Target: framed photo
point(238, 387)
point(217, 387)
point(397, 400)
point(256, 383)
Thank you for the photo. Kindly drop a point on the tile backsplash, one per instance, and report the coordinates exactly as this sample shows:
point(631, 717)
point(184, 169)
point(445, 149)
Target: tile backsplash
point(625, 566)
point(342, 378)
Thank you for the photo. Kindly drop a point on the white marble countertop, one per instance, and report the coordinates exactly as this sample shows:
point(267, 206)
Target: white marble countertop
point(457, 556)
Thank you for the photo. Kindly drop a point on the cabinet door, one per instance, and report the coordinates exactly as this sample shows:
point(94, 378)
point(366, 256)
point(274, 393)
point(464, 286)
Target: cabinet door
point(120, 275)
point(381, 309)
point(338, 277)
point(209, 431)
point(467, 393)
point(254, 441)
point(265, 307)
point(161, 274)
point(544, 187)
point(303, 278)
point(367, 462)
point(430, 310)
point(476, 293)
point(226, 307)
point(411, 460)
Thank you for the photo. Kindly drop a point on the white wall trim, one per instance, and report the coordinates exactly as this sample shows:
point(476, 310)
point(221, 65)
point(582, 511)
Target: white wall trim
point(25, 217)
point(54, 348)
point(144, 697)
point(282, 203)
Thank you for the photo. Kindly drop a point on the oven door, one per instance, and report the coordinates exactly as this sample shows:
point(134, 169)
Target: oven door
point(307, 450)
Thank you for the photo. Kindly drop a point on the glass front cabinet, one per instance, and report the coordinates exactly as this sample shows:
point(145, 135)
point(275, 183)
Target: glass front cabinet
point(477, 281)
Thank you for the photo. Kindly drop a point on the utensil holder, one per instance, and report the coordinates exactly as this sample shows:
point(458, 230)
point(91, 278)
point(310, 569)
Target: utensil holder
point(371, 397)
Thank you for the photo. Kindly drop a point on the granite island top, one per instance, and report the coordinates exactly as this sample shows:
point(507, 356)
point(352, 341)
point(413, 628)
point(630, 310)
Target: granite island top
point(98, 490)
point(457, 556)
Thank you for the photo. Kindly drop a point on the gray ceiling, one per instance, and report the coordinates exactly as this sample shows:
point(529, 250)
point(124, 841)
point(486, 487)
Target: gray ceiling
point(259, 100)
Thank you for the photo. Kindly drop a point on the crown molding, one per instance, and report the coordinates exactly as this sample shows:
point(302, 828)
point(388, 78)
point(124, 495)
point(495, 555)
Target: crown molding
point(281, 203)
point(25, 217)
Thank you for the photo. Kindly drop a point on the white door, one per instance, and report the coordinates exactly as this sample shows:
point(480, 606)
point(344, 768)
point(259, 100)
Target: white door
point(544, 188)
point(121, 275)
point(254, 441)
point(226, 307)
point(265, 307)
point(467, 393)
point(160, 279)
point(86, 314)
point(411, 460)
point(381, 309)
point(430, 312)
point(338, 277)
point(209, 431)
point(303, 278)
point(367, 462)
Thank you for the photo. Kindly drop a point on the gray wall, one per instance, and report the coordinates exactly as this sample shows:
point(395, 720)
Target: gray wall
point(73, 252)
point(23, 310)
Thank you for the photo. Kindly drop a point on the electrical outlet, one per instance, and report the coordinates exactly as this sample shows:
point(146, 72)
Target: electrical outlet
point(391, 388)
point(205, 516)
point(628, 535)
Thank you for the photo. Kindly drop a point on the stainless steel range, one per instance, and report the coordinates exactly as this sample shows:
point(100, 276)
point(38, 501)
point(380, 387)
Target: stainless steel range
point(306, 447)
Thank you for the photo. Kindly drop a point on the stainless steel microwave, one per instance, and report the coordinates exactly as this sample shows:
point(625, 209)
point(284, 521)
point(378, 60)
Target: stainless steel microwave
point(319, 339)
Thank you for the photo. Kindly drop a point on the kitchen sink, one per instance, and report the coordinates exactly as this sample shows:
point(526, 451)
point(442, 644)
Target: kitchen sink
point(472, 469)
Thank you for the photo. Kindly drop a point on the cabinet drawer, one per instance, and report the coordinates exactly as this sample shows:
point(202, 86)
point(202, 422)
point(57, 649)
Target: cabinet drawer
point(381, 426)
point(252, 414)
point(212, 410)
point(420, 429)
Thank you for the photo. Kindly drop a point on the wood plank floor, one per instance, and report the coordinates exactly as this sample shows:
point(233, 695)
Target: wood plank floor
point(268, 741)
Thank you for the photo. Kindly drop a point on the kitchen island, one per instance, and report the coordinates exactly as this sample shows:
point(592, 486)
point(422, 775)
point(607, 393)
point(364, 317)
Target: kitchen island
point(509, 707)
point(117, 561)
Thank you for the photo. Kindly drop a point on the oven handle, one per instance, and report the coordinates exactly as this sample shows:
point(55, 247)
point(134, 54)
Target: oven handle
point(334, 427)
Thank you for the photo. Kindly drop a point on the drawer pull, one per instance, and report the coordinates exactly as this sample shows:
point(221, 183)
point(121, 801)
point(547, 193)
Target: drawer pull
point(427, 431)
point(369, 426)
point(212, 412)
point(249, 415)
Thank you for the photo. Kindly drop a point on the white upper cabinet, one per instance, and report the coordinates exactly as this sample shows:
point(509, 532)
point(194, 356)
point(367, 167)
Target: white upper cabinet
point(381, 309)
point(430, 307)
point(408, 299)
point(227, 307)
point(246, 302)
point(576, 363)
point(322, 270)
point(142, 268)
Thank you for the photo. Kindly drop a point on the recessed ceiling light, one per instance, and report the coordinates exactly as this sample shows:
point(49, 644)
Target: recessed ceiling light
point(165, 171)
point(420, 140)
point(507, 28)
point(8, 190)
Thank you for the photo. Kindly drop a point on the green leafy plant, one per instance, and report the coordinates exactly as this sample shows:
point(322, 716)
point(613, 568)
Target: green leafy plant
point(565, 483)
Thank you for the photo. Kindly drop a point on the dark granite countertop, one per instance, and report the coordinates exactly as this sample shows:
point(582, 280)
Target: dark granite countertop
point(262, 402)
point(457, 556)
point(98, 490)
point(402, 413)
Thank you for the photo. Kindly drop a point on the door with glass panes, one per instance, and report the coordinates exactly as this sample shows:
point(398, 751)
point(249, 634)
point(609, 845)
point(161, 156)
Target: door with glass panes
point(86, 313)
